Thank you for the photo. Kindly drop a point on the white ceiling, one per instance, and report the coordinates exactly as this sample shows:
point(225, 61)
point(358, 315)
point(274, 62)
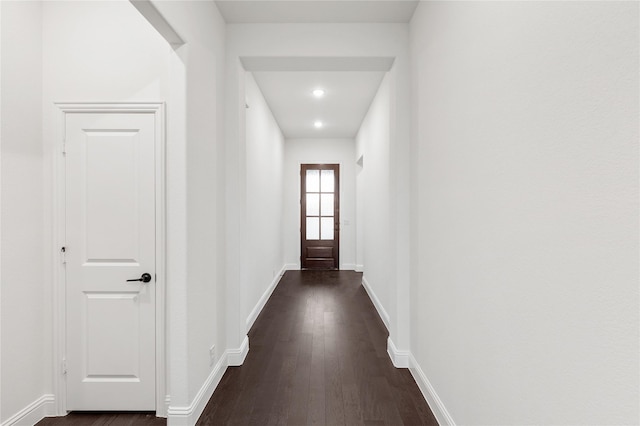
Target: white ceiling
point(287, 83)
point(316, 11)
point(348, 95)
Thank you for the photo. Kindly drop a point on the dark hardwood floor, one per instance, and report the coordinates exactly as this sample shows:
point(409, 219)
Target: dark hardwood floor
point(317, 356)
point(105, 419)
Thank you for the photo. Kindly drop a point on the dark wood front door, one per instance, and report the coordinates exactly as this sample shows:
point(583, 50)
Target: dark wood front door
point(320, 216)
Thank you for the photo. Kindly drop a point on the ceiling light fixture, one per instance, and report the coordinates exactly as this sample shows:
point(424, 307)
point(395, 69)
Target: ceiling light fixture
point(318, 124)
point(318, 93)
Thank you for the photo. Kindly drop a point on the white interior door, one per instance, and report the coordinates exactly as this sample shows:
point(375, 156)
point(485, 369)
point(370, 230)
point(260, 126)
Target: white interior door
point(110, 215)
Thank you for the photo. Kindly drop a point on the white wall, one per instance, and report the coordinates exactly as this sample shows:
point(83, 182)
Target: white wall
point(262, 255)
point(101, 51)
point(374, 193)
point(22, 278)
point(196, 186)
point(204, 31)
point(320, 151)
point(525, 309)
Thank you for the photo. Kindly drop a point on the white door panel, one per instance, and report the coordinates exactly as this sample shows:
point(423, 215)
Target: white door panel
point(110, 238)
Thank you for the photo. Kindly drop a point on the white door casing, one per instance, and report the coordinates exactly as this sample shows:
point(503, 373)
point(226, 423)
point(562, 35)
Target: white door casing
point(112, 224)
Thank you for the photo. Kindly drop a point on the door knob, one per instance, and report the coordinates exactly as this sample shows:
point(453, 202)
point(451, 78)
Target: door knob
point(145, 278)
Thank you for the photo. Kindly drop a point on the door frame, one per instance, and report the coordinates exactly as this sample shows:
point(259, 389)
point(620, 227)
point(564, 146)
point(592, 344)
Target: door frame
point(58, 239)
point(303, 209)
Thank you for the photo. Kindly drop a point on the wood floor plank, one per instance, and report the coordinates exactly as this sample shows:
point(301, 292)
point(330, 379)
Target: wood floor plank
point(104, 419)
point(351, 398)
point(301, 382)
point(316, 412)
point(334, 402)
point(280, 410)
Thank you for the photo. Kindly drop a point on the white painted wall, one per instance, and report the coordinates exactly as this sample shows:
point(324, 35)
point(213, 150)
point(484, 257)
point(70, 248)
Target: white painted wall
point(262, 259)
point(23, 279)
point(375, 195)
point(204, 31)
point(197, 184)
point(525, 307)
point(102, 51)
point(320, 151)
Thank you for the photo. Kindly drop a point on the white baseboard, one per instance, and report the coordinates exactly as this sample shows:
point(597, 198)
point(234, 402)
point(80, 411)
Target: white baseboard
point(376, 302)
point(292, 267)
point(263, 300)
point(399, 358)
point(45, 406)
point(359, 268)
point(189, 415)
point(167, 404)
point(429, 393)
point(235, 357)
point(348, 267)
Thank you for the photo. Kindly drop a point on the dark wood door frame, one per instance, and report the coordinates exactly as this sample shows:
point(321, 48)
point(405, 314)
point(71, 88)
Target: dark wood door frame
point(319, 253)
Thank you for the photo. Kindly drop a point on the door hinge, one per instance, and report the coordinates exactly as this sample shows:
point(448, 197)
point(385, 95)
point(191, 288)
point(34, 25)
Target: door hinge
point(63, 255)
point(64, 147)
point(64, 366)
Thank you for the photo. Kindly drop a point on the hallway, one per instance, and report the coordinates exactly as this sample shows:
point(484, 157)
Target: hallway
point(482, 215)
point(318, 357)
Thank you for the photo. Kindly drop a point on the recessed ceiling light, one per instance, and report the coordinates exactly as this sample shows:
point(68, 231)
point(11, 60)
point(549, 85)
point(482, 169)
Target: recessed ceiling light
point(318, 93)
point(318, 124)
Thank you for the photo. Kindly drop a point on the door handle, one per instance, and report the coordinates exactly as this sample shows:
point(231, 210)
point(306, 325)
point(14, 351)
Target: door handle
point(145, 278)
